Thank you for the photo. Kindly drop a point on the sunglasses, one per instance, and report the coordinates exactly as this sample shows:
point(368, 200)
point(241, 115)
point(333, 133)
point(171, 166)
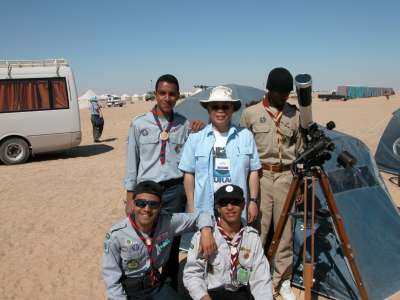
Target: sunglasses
point(225, 202)
point(220, 107)
point(151, 203)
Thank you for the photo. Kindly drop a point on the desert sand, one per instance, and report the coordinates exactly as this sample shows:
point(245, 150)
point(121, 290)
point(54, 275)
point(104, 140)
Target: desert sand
point(56, 208)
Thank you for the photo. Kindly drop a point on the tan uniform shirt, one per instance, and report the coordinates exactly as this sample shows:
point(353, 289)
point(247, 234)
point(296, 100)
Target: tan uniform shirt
point(257, 119)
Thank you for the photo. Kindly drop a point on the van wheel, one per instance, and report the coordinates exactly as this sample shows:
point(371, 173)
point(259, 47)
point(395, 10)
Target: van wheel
point(14, 151)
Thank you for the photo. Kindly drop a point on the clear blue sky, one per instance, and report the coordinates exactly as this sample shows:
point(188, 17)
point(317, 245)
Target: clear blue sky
point(120, 46)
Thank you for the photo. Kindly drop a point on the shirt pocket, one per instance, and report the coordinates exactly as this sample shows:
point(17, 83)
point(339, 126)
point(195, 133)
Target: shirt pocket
point(148, 145)
point(243, 157)
point(288, 134)
point(176, 142)
point(201, 160)
point(261, 132)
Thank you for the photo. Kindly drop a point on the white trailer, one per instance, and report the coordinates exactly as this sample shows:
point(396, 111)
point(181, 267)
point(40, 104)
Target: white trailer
point(39, 109)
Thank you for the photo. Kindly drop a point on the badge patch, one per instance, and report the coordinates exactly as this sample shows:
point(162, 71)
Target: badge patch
point(108, 236)
point(243, 275)
point(263, 119)
point(106, 246)
point(128, 242)
point(144, 132)
point(135, 247)
point(133, 264)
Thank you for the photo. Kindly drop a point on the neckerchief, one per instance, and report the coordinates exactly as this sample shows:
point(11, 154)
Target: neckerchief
point(234, 244)
point(163, 142)
point(276, 117)
point(149, 243)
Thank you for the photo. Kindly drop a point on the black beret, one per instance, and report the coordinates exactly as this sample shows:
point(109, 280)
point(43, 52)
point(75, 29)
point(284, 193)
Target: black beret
point(149, 187)
point(229, 191)
point(280, 80)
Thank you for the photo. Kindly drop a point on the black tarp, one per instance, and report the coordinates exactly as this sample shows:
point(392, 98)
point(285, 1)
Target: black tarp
point(371, 221)
point(388, 152)
point(192, 109)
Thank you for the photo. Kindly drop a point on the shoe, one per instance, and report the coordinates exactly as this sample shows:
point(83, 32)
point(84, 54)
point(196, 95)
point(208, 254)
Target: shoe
point(286, 291)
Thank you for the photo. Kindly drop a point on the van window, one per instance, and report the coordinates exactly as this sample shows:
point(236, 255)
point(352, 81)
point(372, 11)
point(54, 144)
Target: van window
point(18, 95)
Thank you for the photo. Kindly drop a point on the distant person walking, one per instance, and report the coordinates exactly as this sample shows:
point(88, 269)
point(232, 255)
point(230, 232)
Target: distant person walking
point(97, 119)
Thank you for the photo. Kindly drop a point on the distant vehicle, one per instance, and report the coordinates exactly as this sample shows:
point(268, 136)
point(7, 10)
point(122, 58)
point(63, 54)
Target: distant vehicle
point(113, 100)
point(39, 109)
point(149, 96)
point(334, 95)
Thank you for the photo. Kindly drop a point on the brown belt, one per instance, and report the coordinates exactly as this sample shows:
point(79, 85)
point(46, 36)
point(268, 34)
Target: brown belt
point(276, 167)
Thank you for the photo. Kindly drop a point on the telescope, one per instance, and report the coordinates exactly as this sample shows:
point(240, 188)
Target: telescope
point(303, 84)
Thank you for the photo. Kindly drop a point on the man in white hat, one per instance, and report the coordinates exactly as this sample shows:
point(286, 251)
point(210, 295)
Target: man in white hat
point(220, 154)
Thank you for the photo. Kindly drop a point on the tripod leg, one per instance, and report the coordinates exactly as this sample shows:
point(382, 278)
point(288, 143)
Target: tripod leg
point(283, 217)
point(346, 246)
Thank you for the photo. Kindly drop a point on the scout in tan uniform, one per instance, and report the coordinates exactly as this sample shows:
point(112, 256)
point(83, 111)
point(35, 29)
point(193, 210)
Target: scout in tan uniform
point(275, 125)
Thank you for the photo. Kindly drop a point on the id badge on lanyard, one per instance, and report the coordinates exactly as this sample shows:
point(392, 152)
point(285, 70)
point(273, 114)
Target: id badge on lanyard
point(222, 164)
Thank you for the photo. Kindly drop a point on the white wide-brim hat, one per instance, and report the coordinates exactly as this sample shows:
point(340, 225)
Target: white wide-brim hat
point(221, 94)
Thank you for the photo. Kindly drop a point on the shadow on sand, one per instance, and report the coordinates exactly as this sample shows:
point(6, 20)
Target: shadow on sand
point(80, 151)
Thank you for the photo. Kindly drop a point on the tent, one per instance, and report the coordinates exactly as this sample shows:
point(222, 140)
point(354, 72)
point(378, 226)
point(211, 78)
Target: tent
point(84, 99)
point(370, 217)
point(371, 221)
point(388, 153)
point(192, 109)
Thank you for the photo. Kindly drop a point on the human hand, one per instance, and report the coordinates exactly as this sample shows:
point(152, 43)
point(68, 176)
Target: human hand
point(252, 212)
point(206, 297)
point(196, 125)
point(208, 247)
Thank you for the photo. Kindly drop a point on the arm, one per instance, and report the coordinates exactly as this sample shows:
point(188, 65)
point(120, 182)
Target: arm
point(112, 272)
point(254, 185)
point(260, 279)
point(132, 163)
point(194, 277)
point(188, 183)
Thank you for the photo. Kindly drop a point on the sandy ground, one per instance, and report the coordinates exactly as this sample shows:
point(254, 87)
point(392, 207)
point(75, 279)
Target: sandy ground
point(56, 208)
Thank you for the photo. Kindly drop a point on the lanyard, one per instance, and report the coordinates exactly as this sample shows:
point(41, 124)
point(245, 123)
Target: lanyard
point(233, 244)
point(149, 243)
point(276, 117)
point(164, 135)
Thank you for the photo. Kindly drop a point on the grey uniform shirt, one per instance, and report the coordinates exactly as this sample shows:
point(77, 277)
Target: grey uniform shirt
point(143, 157)
point(126, 255)
point(199, 276)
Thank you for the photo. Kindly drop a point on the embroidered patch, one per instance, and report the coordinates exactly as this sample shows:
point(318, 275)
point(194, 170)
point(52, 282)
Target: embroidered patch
point(108, 236)
point(128, 242)
point(229, 189)
point(133, 264)
point(163, 244)
point(106, 246)
point(144, 132)
point(263, 119)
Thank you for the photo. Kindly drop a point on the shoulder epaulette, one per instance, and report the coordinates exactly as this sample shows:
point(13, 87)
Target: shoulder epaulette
point(293, 106)
point(120, 225)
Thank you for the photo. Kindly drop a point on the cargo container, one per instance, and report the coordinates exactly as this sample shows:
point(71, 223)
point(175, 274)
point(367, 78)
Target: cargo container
point(352, 92)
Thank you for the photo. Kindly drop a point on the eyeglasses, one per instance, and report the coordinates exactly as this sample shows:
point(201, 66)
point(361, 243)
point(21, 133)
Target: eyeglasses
point(151, 203)
point(222, 106)
point(225, 202)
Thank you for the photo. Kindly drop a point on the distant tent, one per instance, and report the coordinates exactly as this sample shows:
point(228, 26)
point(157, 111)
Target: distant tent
point(371, 221)
point(84, 99)
point(192, 109)
point(388, 153)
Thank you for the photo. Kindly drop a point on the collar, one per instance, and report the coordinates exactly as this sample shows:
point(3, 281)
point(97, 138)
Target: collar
point(209, 130)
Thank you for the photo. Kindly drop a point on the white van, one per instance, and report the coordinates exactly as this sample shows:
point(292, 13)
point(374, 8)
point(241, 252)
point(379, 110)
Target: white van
point(38, 109)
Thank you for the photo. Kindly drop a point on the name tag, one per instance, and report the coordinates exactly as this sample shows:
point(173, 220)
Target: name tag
point(222, 164)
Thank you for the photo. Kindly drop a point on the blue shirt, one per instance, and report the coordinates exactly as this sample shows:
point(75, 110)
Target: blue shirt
point(197, 158)
point(144, 145)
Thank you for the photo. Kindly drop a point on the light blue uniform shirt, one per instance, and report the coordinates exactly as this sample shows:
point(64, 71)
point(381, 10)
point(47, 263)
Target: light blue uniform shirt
point(94, 108)
point(197, 158)
point(144, 145)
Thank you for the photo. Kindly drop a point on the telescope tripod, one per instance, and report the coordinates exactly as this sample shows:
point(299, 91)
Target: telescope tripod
point(307, 176)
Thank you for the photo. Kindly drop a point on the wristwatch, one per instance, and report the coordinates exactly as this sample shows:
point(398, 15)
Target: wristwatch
point(253, 199)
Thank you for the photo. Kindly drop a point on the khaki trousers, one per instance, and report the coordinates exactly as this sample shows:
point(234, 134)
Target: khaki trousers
point(274, 188)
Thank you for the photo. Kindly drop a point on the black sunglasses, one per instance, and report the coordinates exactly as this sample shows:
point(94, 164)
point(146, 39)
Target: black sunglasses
point(225, 202)
point(218, 107)
point(151, 203)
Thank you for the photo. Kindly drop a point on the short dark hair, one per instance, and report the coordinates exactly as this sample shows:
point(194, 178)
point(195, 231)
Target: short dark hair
point(167, 78)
